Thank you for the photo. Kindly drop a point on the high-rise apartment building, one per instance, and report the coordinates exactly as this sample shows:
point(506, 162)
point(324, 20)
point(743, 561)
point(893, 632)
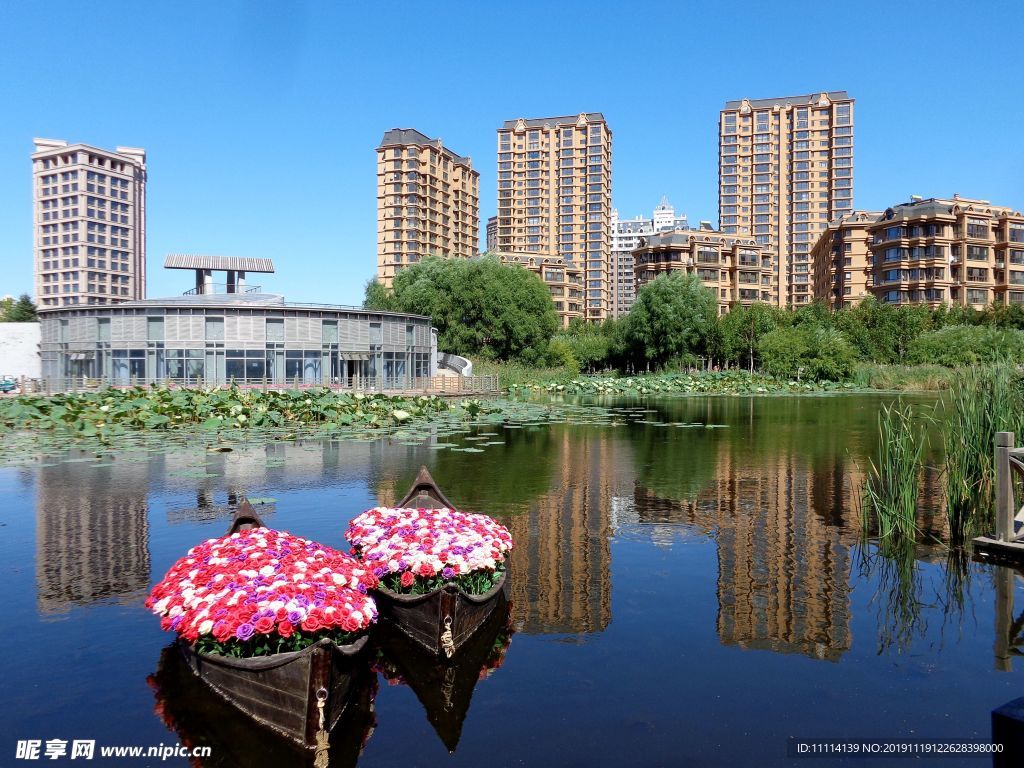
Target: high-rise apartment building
point(554, 197)
point(841, 260)
point(492, 233)
point(786, 170)
point(956, 251)
point(428, 202)
point(626, 236)
point(735, 268)
point(89, 223)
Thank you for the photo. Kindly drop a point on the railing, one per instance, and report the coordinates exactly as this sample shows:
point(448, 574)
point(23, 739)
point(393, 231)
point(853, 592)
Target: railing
point(1009, 463)
point(210, 289)
point(427, 385)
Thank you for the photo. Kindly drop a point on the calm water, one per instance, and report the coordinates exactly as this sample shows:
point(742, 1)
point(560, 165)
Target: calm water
point(680, 596)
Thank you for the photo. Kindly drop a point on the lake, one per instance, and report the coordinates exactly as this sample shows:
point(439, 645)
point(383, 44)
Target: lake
point(688, 587)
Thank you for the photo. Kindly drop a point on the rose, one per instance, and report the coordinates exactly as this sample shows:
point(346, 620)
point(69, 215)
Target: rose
point(350, 624)
point(311, 623)
point(245, 631)
point(285, 629)
point(408, 579)
point(265, 625)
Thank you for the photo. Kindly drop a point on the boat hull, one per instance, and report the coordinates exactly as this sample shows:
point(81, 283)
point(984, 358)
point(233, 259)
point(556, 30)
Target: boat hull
point(281, 692)
point(426, 619)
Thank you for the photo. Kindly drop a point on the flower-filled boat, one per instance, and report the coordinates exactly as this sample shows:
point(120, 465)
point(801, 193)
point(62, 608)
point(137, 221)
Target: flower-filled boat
point(272, 622)
point(441, 572)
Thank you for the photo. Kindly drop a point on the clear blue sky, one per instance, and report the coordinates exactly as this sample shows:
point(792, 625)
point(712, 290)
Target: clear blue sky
point(261, 118)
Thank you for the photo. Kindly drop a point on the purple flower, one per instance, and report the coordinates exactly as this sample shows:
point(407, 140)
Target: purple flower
point(447, 573)
point(294, 617)
point(245, 631)
point(361, 587)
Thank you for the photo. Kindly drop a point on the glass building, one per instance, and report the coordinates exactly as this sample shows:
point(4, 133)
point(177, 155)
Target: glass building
point(219, 333)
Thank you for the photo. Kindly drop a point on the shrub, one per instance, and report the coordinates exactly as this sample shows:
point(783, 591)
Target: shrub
point(822, 353)
point(957, 346)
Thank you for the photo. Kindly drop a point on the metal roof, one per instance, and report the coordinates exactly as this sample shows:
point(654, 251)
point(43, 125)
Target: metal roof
point(410, 136)
point(219, 263)
point(797, 101)
point(540, 122)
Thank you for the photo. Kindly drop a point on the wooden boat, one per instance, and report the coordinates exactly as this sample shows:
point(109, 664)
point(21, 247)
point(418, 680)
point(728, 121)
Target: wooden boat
point(198, 716)
point(443, 620)
point(301, 695)
point(444, 686)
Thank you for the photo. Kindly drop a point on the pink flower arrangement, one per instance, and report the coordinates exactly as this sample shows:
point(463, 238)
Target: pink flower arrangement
point(265, 591)
point(413, 549)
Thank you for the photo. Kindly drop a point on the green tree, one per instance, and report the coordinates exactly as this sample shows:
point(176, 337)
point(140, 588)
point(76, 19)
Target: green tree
point(744, 327)
point(480, 306)
point(807, 351)
point(21, 311)
point(672, 317)
point(376, 296)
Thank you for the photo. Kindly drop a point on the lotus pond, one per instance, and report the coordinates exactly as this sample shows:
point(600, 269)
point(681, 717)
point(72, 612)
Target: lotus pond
point(688, 587)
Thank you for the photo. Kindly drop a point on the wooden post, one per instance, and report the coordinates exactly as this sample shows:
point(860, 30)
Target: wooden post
point(1004, 487)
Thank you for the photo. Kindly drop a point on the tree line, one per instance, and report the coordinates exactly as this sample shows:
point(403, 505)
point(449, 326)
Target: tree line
point(494, 311)
point(21, 310)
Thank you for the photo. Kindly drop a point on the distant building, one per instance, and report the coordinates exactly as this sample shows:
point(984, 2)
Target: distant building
point(786, 170)
point(735, 268)
point(492, 233)
point(554, 197)
point(564, 280)
point(222, 332)
point(842, 260)
point(626, 236)
point(959, 251)
point(428, 202)
point(89, 224)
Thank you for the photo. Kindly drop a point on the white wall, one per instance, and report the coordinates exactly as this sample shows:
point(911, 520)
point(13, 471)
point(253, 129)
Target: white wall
point(19, 350)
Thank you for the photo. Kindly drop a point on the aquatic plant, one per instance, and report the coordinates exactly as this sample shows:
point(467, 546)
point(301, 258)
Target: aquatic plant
point(984, 400)
point(111, 412)
point(892, 485)
point(730, 382)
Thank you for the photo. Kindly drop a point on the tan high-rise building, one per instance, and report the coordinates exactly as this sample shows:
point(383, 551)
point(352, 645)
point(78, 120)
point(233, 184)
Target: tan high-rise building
point(956, 251)
point(89, 223)
point(842, 260)
point(428, 202)
point(785, 170)
point(554, 197)
point(735, 268)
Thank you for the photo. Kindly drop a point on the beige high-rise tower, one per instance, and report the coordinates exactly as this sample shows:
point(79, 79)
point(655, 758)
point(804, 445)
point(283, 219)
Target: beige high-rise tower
point(785, 169)
point(89, 223)
point(555, 198)
point(428, 202)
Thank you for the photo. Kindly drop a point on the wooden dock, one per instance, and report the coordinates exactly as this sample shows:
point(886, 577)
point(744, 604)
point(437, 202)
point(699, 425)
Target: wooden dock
point(1007, 544)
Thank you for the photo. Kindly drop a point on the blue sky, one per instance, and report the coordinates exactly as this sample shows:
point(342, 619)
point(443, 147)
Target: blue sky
point(261, 119)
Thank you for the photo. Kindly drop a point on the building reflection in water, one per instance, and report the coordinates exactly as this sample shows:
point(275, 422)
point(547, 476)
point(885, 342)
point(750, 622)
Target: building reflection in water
point(92, 533)
point(561, 563)
point(784, 546)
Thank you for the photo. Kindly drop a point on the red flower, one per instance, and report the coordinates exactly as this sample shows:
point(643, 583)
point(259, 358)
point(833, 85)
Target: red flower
point(350, 624)
point(265, 625)
point(311, 623)
point(285, 629)
point(408, 579)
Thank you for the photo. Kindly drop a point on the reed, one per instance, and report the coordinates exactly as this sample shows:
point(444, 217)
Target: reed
point(892, 486)
point(984, 401)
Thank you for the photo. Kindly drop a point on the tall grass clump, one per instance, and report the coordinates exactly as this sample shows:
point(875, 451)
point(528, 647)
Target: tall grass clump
point(984, 401)
point(893, 480)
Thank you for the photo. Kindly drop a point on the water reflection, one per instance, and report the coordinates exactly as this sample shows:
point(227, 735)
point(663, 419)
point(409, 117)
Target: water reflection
point(92, 532)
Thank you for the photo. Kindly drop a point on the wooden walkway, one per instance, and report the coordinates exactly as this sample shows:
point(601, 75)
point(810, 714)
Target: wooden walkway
point(1007, 544)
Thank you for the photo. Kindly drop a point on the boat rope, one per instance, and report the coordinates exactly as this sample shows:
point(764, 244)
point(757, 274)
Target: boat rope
point(323, 743)
point(447, 641)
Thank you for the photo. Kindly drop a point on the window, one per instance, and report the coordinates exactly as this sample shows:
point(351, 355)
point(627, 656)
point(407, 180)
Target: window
point(215, 329)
